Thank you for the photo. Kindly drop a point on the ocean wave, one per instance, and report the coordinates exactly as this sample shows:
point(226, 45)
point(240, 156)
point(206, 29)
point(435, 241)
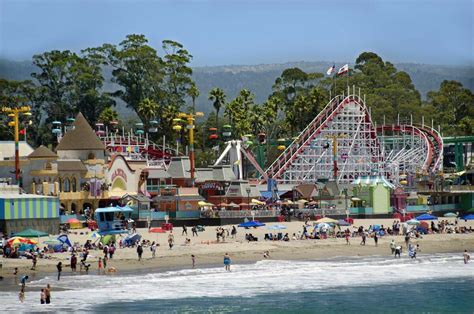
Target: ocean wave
point(268, 276)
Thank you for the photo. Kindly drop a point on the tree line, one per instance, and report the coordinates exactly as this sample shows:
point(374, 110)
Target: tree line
point(159, 86)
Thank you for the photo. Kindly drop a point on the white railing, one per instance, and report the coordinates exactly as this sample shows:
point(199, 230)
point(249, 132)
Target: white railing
point(246, 213)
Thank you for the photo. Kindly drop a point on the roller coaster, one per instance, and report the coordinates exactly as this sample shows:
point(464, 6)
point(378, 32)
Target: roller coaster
point(342, 143)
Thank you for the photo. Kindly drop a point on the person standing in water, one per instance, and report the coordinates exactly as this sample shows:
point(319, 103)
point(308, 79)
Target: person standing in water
point(171, 240)
point(227, 261)
point(466, 256)
point(42, 296)
point(364, 236)
point(376, 238)
point(47, 292)
point(60, 269)
point(139, 252)
point(193, 259)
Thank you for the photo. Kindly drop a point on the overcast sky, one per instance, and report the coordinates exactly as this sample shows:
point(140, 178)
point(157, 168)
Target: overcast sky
point(249, 32)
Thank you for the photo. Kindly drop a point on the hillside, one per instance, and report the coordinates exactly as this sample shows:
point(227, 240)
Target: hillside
point(259, 78)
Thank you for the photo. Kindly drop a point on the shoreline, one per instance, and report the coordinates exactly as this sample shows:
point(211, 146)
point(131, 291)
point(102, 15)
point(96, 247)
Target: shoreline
point(306, 251)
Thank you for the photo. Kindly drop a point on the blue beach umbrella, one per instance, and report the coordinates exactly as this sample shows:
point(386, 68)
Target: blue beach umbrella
point(250, 224)
point(468, 217)
point(426, 217)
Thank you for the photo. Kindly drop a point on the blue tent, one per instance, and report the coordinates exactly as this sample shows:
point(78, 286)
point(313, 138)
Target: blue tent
point(250, 224)
point(64, 240)
point(426, 217)
point(468, 217)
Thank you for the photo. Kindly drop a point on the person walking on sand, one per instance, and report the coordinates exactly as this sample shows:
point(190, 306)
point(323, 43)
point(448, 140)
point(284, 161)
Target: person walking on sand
point(73, 262)
point(171, 240)
point(185, 231)
point(34, 260)
point(376, 238)
point(364, 236)
point(466, 256)
point(47, 292)
point(153, 249)
point(193, 259)
point(227, 261)
point(194, 230)
point(347, 236)
point(60, 269)
point(139, 252)
point(233, 233)
point(393, 246)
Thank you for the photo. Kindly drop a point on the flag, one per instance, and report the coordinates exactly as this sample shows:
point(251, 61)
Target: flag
point(343, 70)
point(331, 69)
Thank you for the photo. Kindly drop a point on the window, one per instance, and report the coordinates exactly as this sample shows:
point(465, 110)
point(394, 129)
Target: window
point(48, 166)
point(67, 185)
point(73, 184)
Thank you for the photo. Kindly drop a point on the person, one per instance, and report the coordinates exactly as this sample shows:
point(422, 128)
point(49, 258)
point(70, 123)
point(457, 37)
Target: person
point(393, 246)
point(139, 252)
point(185, 231)
point(59, 266)
point(99, 264)
point(347, 236)
point(266, 254)
point(412, 251)
point(104, 261)
point(106, 250)
point(233, 232)
point(398, 251)
point(23, 281)
point(85, 266)
point(227, 261)
point(193, 259)
point(34, 260)
point(21, 295)
point(47, 292)
point(153, 249)
point(171, 240)
point(42, 296)
point(364, 236)
point(73, 262)
point(15, 271)
point(376, 238)
point(111, 250)
point(466, 257)
point(194, 230)
point(407, 239)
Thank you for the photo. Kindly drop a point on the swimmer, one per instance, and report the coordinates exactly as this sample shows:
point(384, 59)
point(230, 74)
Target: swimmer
point(467, 257)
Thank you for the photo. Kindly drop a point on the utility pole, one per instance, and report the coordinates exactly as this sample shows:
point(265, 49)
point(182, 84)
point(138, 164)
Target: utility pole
point(14, 113)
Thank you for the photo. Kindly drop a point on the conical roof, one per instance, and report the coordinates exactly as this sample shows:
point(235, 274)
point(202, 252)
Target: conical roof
point(42, 152)
point(82, 137)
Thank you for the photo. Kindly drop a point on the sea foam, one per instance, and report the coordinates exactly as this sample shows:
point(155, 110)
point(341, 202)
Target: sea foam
point(268, 276)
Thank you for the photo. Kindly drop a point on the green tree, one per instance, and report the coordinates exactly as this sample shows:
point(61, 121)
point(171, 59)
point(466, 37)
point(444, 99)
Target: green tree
point(147, 109)
point(217, 96)
point(193, 92)
point(108, 115)
point(453, 108)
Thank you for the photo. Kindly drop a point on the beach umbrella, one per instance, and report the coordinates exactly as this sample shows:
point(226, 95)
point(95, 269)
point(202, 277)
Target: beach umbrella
point(31, 233)
point(413, 222)
point(276, 227)
point(63, 238)
point(257, 202)
point(202, 203)
point(327, 220)
point(322, 225)
point(426, 217)
point(450, 215)
point(302, 201)
point(73, 221)
point(468, 217)
point(20, 240)
point(250, 224)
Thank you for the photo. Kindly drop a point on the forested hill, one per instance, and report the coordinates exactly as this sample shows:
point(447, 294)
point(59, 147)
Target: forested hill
point(260, 78)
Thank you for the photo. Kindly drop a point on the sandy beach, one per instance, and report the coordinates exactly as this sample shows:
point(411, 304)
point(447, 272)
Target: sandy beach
point(209, 253)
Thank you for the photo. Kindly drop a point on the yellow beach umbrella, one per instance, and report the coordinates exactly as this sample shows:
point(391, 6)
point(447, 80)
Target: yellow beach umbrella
point(327, 220)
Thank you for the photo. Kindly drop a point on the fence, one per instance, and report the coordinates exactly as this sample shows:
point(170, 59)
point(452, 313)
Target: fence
point(246, 213)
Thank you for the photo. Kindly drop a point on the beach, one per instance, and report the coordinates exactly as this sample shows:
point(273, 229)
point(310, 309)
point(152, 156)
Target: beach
point(209, 253)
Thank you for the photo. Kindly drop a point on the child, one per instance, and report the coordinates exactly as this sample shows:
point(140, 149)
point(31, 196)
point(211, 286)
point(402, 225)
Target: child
point(42, 296)
point(100, 264)
point(227, 262)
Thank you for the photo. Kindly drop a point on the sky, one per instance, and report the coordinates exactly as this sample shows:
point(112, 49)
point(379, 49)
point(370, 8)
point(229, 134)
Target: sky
point(249, 32)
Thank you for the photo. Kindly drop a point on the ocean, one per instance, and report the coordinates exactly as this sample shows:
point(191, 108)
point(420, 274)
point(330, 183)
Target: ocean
point(437, 283)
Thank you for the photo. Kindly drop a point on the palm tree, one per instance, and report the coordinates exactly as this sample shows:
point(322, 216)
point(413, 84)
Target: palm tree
point(193, 92)
point(147, 109)
point(108, 115)
point(217, 96)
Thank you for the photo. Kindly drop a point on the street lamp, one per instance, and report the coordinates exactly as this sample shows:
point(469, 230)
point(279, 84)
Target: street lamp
point(14, 113)
point(248, 196)
point(347, 210)
point(190, 117)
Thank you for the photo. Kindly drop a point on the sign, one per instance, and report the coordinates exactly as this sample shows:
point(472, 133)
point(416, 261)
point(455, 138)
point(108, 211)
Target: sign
point(212, 186)
point(119, 173)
